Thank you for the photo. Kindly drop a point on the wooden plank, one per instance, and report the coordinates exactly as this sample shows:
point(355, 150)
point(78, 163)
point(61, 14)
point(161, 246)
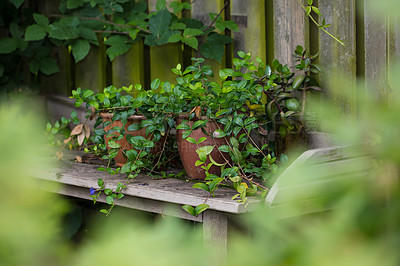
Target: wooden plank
point(165, 57)
point(215, 233)
point(136, 203)
point(166, 190)
point(375, 54)
point(290, 29)
point(90, 73)
point(200, 11)
point(318, 168)
point(250, 16)
point(339, 62)
point(129, 68)
point(61, 82)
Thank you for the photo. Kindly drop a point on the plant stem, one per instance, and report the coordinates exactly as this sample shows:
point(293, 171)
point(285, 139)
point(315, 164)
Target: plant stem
point(215, 19)
point(319, 25)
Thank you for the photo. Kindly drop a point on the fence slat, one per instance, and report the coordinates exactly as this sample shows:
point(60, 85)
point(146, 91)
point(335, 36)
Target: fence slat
point(164, 57)
point(61, 82)
point(290, 29)
point(375, 56)
point(337, 60)
point(90, 73)
point(250, 17)
point(129, 68)
point(200, 11)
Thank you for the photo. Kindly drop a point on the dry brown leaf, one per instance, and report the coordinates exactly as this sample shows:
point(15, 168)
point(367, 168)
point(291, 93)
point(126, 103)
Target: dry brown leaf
point(78, 159)
point(198, 111)
point(87, 131)
point(67, 140)
point(81, 138)
point(77, 130)
point(192, 110)
point(60, 155)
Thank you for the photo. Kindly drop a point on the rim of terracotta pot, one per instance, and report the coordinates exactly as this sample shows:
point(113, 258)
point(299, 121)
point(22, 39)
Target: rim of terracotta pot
point(132, 117)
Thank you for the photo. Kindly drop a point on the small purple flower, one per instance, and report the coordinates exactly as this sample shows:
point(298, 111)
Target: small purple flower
point(92, 191)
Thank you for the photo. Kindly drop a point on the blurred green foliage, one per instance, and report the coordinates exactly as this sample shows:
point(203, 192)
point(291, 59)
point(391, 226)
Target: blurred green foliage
point(362, 229)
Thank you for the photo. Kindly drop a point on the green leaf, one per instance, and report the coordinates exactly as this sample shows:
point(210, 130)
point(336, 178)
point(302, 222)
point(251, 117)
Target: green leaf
point(189, 209)
point(34, 66)
point(100, 182)
point(183, 126)
point(191, 140)
point(219, 133)
point(159, 23)
point(118, 46)
point(113, 145)
point(186, 133)
point(192, 32)
point(104, 211)
point(202, 139)
point(198, 162)
point(72, 4)
point(222, 112)
point(214, 162)
point(48, 66)
point(201, 186)
point(34, 33)
point(110, 200)
point(178, 26)
point(316, 10)
point(155, 84)
point(80, 48)
point(215, 46)
point(200, 208)
point(224, 148)
point(133, 33)
point(234, 142)
point(17, 3)
point(199, 124)
point(88, 34)
point(41, 20)
point(191, 41)
point(161, 4)
point(206, 149)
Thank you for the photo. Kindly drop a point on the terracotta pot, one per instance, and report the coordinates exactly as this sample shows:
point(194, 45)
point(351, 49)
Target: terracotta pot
point(120, 160)
point(187, 150)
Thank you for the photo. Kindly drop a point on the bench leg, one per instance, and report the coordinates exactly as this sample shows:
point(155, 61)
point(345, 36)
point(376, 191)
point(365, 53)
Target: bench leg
point(215, 232)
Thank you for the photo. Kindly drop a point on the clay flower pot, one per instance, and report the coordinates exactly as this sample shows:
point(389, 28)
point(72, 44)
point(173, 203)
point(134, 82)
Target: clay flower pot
point(120, 160)
point(187, 150)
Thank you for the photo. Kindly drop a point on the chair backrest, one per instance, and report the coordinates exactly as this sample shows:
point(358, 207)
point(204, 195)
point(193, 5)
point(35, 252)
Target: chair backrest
point(316, 172)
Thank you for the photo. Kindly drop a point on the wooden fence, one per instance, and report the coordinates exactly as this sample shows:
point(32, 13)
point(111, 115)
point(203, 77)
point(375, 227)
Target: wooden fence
point(268, 29)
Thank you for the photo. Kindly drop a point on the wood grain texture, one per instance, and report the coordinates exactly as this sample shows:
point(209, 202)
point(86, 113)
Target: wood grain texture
point(215, 233)
point(200, 11)
point(90, 73)
point(339, 62)
point(250, 16)
point(168, 190)
point(129, 68)
point(290, 29)
point(375, 52)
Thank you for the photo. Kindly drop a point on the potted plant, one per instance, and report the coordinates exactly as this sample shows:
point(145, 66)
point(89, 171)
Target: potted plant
point(216, 131)
point(217, 122)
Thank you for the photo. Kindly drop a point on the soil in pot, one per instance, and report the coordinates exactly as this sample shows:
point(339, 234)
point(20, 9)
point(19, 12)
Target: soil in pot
point(187, 150)
point(120, 159)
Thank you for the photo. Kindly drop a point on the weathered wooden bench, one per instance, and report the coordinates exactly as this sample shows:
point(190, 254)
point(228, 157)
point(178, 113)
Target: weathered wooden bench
point(302, 181)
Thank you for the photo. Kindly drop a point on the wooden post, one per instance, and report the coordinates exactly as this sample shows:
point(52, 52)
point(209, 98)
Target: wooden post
point(215, 232)
point(200, 11)
point(338, 61)
point(61, 82)
point(251, 38)
point(90, 73)
point(165, 57)
point(375, 56)
point(129, 68)
point(290, 29)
